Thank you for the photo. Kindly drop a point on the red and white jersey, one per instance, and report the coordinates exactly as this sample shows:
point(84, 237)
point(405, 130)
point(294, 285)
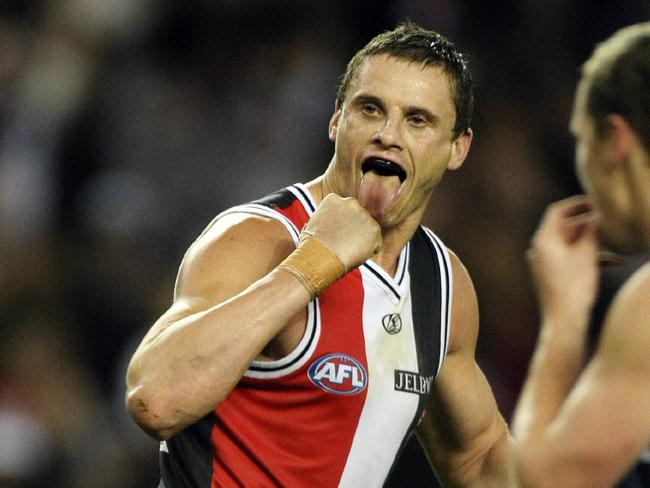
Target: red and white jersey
point(340, 407)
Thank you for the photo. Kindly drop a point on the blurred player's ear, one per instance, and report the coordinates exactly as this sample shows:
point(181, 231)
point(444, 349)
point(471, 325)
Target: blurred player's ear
point(622, 137)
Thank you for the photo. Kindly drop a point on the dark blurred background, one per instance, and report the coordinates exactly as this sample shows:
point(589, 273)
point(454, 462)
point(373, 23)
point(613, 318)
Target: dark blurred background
point(126, 125)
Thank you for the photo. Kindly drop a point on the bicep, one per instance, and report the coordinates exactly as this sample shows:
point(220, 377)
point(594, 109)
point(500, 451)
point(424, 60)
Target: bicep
point(231, 254)
point(603, 426)
point(460, 391)
point(235, 251)
point(461, 416)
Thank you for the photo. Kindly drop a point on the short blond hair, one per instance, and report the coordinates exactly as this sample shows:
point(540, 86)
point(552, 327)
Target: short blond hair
point(616, 79)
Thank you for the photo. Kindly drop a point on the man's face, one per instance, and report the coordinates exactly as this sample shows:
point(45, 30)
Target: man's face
point(394, 137)
point(599, 170)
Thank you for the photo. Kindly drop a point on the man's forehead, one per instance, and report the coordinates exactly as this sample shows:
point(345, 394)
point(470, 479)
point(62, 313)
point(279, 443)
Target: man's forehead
point(389, 62)
point(402, 75)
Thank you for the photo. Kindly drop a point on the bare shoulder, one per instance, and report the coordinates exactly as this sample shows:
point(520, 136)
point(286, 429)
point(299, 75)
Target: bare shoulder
point(234, 251)
point(464, 308)
point(626, 331)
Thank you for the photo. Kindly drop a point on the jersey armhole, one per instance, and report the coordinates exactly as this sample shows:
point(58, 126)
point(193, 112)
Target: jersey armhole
point(305, 347)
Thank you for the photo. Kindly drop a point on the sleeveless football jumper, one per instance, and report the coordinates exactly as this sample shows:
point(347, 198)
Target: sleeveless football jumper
point(337, 410)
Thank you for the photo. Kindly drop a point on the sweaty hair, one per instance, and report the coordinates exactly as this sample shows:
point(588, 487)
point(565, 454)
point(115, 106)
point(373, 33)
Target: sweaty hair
point(617, 79)
point(413, 43)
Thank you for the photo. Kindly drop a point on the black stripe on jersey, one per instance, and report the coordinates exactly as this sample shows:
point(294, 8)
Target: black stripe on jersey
point(426, 293)
point(426, 296)
point(266, 369)
point(282, 199)
point(401, 273)
point(446, 279)
point(383, 280)
point(189, 461)
point(305, 196)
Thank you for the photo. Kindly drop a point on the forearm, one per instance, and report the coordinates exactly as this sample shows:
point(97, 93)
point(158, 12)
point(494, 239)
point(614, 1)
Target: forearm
point(185, 368)
point(555, 366)
point(553, 371)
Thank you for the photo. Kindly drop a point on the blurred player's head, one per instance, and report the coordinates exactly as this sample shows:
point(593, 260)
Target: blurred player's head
point(611, 123)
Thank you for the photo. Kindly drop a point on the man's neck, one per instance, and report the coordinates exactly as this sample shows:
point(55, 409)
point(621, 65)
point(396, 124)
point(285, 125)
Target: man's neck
point(393, 241)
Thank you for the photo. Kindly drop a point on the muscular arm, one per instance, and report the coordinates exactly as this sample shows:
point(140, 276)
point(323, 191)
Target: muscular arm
point(573, 428)
point(462, 432)
point(589, 433)
point(227, 307)
point(231, 302)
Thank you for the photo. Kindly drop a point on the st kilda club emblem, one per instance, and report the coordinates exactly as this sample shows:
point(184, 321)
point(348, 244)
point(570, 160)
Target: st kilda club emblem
point(392, 323)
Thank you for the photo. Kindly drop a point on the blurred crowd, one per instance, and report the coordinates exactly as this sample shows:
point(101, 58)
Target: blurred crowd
point(126, 125)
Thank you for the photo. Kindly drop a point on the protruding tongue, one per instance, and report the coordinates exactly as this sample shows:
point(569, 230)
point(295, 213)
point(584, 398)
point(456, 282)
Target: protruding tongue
point(377, 193)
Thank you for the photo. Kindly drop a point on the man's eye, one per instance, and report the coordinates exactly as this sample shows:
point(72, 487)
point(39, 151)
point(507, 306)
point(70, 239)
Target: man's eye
point(418, 120)
point(369, 109)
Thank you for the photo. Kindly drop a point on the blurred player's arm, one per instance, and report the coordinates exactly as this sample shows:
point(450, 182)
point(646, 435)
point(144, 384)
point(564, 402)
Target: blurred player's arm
point(577, 428)
point(462, 432)
point(590, 434)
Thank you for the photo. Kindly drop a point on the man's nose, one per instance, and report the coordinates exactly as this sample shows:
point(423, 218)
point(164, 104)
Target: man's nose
point(389, 132)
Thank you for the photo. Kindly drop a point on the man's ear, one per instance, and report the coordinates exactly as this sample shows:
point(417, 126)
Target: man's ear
point(459, 149)
point(334, 121)
point(621, 137)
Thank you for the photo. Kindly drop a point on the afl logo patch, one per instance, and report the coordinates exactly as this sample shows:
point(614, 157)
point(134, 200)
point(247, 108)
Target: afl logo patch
point(338, 373)
point(392, 323)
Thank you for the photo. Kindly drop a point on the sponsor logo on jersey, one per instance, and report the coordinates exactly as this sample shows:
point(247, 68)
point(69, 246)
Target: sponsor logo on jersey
point(338, 373)
point(412, 382)
point(392, 323)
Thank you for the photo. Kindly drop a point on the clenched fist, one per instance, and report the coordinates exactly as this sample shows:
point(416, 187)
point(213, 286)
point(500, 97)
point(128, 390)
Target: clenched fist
point(346, 228)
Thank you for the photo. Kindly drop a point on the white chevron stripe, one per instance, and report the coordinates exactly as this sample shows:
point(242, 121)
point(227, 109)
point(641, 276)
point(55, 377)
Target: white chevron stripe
point(385, 353)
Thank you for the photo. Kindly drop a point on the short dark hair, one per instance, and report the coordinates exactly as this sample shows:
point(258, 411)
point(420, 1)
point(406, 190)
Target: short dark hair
point(616, 79)
point(414, 43)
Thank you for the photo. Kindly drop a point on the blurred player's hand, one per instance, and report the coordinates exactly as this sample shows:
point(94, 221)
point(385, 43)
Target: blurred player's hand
point(564, 259)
